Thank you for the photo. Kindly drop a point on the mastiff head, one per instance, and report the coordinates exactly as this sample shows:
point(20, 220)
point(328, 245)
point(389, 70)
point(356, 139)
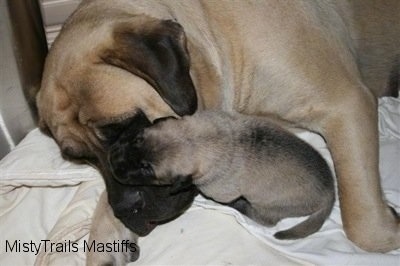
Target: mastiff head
point(102, 73)
point(106, 73)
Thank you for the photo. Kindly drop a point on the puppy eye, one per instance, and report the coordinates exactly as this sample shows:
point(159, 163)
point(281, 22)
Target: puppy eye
point(134, 211)
point(144, 165)
point(138, 141)
point(146, 169)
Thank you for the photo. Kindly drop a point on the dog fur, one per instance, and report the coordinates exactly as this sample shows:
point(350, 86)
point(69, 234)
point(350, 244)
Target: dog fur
point(319, 65)
point(252, 163)
point(140, 208)
point(106, 228)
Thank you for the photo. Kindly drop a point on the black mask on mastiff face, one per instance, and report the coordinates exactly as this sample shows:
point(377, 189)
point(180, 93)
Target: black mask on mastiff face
point(140, 208)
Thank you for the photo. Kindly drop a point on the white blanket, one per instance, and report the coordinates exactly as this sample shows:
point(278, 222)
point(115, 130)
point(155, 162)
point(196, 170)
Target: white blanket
point(45, 200)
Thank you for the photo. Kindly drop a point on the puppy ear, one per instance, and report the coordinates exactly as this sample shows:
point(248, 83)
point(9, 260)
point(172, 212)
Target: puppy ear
point(157, 53)
point(181, 184)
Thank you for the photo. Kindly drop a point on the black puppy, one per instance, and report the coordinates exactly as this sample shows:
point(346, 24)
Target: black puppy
point(140, 208)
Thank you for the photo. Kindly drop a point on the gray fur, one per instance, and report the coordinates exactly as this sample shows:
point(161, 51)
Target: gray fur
point(250, 163)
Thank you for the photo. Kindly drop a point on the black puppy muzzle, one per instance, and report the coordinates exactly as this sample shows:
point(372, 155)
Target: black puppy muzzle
point(128, 166)
point(127, 159)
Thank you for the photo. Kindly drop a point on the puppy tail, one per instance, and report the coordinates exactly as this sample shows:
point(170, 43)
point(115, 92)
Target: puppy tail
point(311, 225)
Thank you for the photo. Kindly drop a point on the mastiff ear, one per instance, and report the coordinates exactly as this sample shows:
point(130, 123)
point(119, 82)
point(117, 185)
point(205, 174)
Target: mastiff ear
point(156, 51)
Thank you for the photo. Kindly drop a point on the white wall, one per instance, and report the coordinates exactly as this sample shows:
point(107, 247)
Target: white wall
point(15, 116)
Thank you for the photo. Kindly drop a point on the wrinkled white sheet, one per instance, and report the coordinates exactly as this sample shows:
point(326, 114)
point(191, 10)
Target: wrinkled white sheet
point(43, 197)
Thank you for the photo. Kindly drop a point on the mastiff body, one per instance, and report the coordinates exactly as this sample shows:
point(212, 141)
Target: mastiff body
point(318, 65)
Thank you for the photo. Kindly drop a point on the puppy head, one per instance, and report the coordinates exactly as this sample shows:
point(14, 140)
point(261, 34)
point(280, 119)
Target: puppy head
point(157, 155)
point(130, 159)
point(142, 208)
point(106, 70)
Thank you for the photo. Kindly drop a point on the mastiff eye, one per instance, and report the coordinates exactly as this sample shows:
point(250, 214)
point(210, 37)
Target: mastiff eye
point(110, 133)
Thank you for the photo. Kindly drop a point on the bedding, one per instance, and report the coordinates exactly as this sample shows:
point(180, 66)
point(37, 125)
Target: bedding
point(46, 205)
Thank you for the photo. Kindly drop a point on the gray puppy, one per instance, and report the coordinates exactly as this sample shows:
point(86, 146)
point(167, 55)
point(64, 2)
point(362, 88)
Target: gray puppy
point(250, 163)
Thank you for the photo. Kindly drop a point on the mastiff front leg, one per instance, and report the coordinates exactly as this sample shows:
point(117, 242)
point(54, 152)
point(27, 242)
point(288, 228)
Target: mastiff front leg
point(106, 228)
point(352, 136)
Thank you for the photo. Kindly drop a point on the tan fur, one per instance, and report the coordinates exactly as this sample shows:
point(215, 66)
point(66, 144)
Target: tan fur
point(106, 228)
point(296, 61)
point(247, 162)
